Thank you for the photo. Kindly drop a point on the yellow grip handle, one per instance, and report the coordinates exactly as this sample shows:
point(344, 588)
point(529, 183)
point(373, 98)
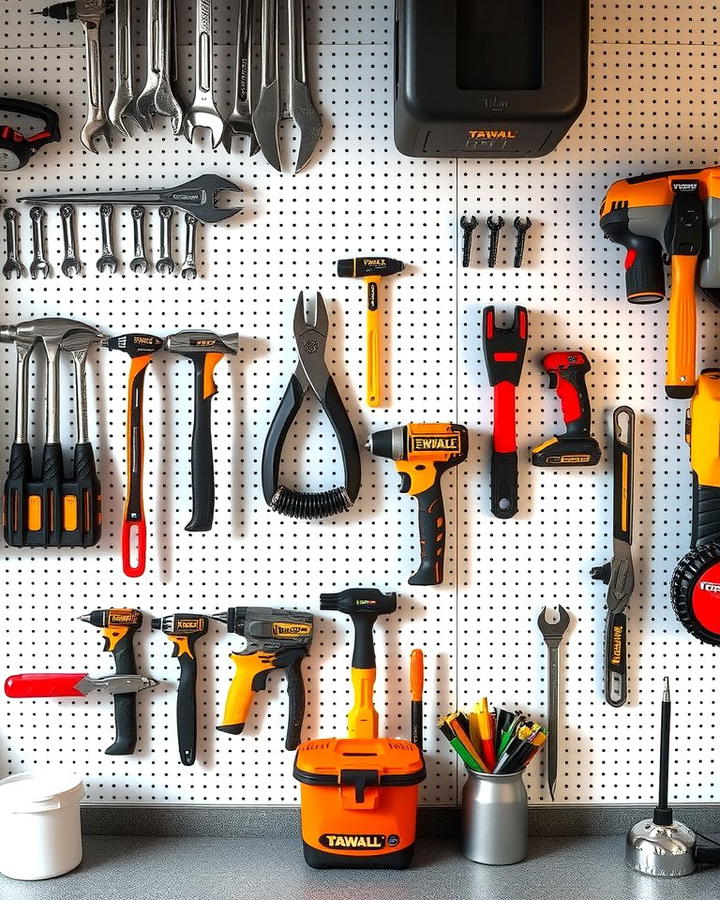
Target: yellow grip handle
point(373, 393)
point(682, 328)
point(244, 684)
point(363, 717)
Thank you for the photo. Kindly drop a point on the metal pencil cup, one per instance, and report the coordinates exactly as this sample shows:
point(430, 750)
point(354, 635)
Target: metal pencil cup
point(495, 819)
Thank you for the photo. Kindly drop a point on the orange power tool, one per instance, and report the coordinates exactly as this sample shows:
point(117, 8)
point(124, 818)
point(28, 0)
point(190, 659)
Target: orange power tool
point(676, 214)
point(422, 453)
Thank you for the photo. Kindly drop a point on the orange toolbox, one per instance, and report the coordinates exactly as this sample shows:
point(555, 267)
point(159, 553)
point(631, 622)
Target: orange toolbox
point(359, 795)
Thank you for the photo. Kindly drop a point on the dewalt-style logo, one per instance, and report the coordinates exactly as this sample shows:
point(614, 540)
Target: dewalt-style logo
point(447, 443)
point(291, 629)
point(617, 637)
point(374, 262)
point(353, 841)
point(500, 134)
point(194, 624)
point(123, 617)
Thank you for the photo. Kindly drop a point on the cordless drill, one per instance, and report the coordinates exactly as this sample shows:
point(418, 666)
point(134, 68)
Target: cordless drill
point(677, 214)
point(577, 447)
point(118, 627)
point(276, 639)
point(422, 453)
point(363, 605)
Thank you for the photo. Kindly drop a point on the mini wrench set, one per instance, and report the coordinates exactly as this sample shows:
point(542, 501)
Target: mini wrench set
point(262, 95)
point(495, 225)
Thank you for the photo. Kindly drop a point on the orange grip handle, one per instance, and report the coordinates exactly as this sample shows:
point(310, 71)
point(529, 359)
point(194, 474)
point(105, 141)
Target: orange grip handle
point(682, 329)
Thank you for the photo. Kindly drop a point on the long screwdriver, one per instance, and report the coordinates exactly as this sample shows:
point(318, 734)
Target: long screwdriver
point(416, 692)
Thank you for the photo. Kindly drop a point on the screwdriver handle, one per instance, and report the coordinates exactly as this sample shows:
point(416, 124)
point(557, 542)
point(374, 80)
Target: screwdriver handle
point(16, 498)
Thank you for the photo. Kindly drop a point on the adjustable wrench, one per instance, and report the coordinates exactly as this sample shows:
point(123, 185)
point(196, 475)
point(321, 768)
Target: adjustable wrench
point(165, 102)
point(123, 96)
point(203, 111)
point(91, 13)
point(145, 102)
point(553, 633)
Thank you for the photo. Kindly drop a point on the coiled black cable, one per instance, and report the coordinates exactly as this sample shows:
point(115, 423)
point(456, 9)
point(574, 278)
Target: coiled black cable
point(310, 504)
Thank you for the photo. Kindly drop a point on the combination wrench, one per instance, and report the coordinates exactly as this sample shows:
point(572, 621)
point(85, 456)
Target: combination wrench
point(189, 266)
point(71, 265)
point(165, 264)
point(553, 633)
point(13, 268)
point(139, 263)
point(203, 111)
point(39, 267)
point(145, 101)
point(123, 97)
point(108, 260)
point(91, 13)
point(165, 102)
point(239, 123)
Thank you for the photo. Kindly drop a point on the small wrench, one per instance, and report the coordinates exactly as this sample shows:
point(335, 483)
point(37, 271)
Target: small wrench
point(123, 96)
point(165, 102)
point(13, 268)
point(553, 633)
point(165, 264)
point(145, 101)
point(91, 13)
point(108, 260)
point(139, 264)
point(71, 265)
point(203, 111)
point(39, 266)
point(189, 268)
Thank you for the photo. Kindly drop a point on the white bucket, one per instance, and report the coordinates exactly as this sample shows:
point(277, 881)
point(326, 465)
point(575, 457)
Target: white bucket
point(40, 824)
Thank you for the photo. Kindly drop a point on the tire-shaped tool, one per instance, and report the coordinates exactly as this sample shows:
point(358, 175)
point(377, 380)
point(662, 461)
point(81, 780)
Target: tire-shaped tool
point(695, 586)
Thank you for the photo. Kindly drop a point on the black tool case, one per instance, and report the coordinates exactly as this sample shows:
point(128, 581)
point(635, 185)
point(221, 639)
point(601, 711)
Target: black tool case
point(488, 78)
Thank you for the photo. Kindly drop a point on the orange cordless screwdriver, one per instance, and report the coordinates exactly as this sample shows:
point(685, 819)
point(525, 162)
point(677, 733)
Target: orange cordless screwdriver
point(416, 694)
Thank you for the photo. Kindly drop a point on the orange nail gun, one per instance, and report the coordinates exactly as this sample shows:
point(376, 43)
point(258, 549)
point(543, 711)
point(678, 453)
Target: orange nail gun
point(676, 214)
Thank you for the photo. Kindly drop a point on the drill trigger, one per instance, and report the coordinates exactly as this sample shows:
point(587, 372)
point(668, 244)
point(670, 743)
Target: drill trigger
point(553, 383)
point(259, 682)
point(405, 482)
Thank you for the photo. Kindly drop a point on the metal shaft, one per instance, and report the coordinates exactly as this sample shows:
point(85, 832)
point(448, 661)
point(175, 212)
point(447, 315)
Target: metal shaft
point(553, 689)
point(79, 358)
point(21, 403)
point(52, 391)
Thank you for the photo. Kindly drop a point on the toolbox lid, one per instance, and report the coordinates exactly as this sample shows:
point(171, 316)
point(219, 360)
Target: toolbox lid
point(337, 761)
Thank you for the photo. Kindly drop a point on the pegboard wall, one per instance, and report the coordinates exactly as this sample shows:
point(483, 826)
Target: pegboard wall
point(652, 107)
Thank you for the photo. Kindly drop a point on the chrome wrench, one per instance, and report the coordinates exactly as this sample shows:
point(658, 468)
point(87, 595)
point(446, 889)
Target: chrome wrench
point(123, 96)
point(553, 633)
point(203, 111)
point(145, 102)
point(166, 103)
point(239, 124)
point(13, 268)
point(91, 13)
point(108, 260)
point(300, 106)
point(71, 265)
point(189, 266)
point(266, 115)
point(165, 264)
point(139, 263)
point(39, 267)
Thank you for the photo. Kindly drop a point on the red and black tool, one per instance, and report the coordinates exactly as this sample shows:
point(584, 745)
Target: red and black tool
point(16, 150)
point(695, 586)
point(577, 447)
point(504, 356)
point(140, 348)
point(118, 629)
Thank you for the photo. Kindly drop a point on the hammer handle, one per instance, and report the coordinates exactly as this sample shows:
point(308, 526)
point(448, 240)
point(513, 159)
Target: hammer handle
point(682, 329)
point(373, 350)
point(202, 465)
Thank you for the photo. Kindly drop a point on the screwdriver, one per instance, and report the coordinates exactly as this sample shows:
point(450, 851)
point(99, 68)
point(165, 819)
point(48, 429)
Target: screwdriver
point(416, 692)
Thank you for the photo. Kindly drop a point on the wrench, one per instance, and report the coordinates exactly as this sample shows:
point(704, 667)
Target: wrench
point(165, 102)
point(203, 112)
point(189, 268)
point(123, 96)
point(39, 266)
point(13, 268)
point(139, 264)
point(165, 264)
point(71, 265)
point(145, 101)
point(108, 260)
point(239, 123)
point(553, 633)
point(91, 13)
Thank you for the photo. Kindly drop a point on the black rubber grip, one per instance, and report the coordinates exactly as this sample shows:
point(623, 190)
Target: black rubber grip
point(279, 427)
point(125, 726)
point(616, 659)
point(363, 656)
point(431, 525)
point(705, 514)
point(347, 440)
point(504, 484)
point(19, 473)
point(645, 277)
point(86, 487)
point(201, 461)
point(34, 110)
point(296, 701)
point(186, 712)
point(52, 501)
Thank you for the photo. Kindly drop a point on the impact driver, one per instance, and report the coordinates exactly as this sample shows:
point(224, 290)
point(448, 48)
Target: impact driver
point(276, 639)
point(577, 447)
point(673, 215)
point(422, 453)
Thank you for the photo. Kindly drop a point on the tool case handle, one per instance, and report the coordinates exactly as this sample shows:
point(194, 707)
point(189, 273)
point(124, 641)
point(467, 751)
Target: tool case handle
point(35, 111)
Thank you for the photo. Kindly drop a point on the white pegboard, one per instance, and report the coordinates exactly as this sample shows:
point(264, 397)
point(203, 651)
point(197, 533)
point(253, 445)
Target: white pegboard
point(646, 113)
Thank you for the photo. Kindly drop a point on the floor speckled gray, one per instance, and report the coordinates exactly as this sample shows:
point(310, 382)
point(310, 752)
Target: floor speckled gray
point(176, 868)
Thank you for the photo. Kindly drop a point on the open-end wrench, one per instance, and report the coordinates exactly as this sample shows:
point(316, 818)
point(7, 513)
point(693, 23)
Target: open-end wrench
point(39, 267)
point(165, 264)
point(71, 265)
point(239, 124)
point(139, 263)
point(121, 103)
point(553, 633)
point(166, 103)
point(108, 260)
point(189, 267)
point(91, 13)
point(266, 114)
point(203, 111)
point(145, 101)
point(13, 268)
point(300, 106)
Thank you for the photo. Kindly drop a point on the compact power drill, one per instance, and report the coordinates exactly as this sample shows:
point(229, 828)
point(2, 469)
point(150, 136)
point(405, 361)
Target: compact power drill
point(421, 454)
point(577, 447)
point(276, 639)
point(676, 214)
